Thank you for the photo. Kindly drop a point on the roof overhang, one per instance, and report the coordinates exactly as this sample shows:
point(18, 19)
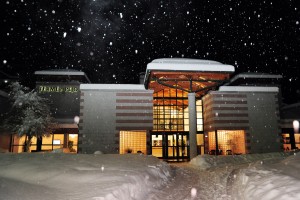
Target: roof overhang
point(189, 75)
point(255, 79)
point(62, 73)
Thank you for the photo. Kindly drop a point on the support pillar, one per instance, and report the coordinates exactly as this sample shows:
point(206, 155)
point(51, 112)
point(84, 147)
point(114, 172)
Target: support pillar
point(192, 125)
point(217, 144)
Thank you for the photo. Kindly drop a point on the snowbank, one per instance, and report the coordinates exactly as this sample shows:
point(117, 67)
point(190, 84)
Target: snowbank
point(257, 176)
point(209, 161)
point(278, 181)
point(79, 176)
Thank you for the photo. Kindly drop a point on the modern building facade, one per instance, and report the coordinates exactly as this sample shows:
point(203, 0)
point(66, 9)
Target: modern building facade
point(61, 88)
point(183, 108)
point(115, 118)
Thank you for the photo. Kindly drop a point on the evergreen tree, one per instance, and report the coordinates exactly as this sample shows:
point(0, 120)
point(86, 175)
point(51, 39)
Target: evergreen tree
point(29, 114)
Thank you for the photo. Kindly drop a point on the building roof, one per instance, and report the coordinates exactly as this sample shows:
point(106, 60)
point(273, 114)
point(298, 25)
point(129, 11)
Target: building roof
point(255, 79)
point(66, 72)
point(187, 64)
point(188, 75)
point(111, 87)
point(70, 73)
point(248, 89)
point(291, 111)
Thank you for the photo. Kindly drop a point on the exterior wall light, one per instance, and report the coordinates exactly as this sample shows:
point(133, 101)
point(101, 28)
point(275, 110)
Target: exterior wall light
point(76, 120)
point(296, 126)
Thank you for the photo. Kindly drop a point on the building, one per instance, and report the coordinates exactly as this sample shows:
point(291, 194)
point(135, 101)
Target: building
point(184, 107)
point(61, 87)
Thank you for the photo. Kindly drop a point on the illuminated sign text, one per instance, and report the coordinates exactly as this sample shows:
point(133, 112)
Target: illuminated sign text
point(58, 89)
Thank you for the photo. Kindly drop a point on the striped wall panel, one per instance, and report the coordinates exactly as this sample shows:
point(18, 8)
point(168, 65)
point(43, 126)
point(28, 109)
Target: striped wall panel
point(225, 112)
point(134, 110)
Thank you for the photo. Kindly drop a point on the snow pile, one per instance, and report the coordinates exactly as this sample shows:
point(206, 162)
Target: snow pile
point(79, 176)
point(209, 161)
point(268, 181)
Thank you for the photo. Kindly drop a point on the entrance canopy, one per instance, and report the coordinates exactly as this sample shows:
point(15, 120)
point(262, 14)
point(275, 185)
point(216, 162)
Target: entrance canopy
point(187, 75)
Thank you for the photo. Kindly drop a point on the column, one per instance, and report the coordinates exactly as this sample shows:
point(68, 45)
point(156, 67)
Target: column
point(192, 125)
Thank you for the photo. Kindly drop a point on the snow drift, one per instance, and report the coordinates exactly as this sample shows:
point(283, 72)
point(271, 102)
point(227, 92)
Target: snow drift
point(80, 176)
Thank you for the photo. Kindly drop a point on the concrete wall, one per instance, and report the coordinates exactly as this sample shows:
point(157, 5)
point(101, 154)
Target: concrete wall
point(98, 122)
point(264, 122)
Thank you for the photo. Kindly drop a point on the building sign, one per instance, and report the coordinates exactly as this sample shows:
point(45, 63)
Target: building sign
point(58, 89)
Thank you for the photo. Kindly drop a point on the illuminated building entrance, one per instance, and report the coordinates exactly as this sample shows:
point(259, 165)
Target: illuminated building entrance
point(179, 85)
point(170, 145)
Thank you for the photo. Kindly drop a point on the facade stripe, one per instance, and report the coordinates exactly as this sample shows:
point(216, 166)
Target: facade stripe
point(134, 108)
point(134, 114)
point(215, 108)
point(217, 121)
point(230, 95)
point(133, 121)
point(230, 102)
point(124, 128)
point(134, 101)
point(134, 94)
point(221, 115)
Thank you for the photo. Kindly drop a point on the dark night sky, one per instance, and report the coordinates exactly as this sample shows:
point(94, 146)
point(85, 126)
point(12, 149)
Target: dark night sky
point(113, 40)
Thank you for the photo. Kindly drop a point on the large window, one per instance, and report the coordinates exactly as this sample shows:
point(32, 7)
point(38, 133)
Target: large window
point(133, 142)
point(229, 142)
point(66, 142)
point(171, 112)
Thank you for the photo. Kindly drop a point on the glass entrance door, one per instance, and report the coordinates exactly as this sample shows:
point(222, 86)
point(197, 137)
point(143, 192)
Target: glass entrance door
point(170, 146)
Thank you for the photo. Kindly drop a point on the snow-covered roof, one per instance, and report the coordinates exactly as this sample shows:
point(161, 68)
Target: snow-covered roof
point(112, 87)
point(250, 78)
point(62, 72)
point(256, 75)
point(3, 94)
point(188, 64)
point(295, 105)
point(248, 89)
point(185, 74)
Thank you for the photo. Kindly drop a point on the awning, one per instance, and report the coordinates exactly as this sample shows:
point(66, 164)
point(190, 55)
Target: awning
point(187, 75)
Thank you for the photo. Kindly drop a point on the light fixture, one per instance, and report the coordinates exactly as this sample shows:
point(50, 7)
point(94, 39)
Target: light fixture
point(76, 119)
point(296, 126)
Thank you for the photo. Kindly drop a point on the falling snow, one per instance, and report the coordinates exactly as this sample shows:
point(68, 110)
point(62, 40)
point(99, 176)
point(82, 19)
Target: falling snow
point(260, 36)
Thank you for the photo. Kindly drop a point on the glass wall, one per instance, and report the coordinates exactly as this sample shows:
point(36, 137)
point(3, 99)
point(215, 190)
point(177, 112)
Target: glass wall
point(133, 142)
point(229, 142)
point(171, 112)
point(170, 134)
point(157, 145)
point(170, 145)
point(66, 142)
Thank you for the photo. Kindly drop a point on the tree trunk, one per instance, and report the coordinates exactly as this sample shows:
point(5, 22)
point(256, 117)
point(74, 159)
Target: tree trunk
point(28, 143)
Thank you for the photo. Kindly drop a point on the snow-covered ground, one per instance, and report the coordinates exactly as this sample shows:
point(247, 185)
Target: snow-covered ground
point(78, 176)
point(133, 176)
